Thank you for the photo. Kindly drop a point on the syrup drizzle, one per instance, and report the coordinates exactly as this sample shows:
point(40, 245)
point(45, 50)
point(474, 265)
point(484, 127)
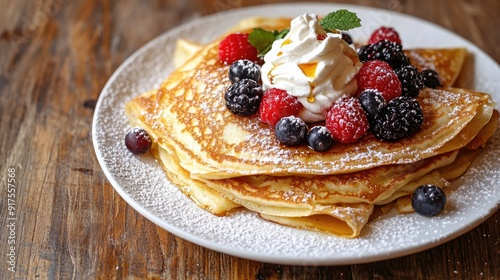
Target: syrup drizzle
point(285, 42)
point(309, 69)
point(311, 97)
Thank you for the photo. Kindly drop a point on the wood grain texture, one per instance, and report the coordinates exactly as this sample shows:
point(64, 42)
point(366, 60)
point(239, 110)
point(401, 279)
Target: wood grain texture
point(56, 56)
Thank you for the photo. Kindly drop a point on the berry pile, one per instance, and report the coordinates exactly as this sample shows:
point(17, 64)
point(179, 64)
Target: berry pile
point(388, 84)
point(384, 105)
point(385, 45)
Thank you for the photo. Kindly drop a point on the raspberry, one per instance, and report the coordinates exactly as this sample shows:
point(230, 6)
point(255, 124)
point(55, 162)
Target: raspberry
point(346, 120)
point(384, 50)
point(276, 104)
point(243, 97)
point(236, 46)
point(378, 75)
point(321, 37)
point(400, 118)
point(384, 32)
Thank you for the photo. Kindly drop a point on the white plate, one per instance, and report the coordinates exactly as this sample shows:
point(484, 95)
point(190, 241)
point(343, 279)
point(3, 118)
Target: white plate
point(142, 183)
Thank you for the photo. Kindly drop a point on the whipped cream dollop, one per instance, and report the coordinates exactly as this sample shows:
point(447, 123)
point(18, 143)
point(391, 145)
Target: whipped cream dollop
point(315, 66)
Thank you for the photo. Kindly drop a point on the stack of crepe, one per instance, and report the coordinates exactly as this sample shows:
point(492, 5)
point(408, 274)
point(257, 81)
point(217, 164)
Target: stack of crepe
point(225, 162)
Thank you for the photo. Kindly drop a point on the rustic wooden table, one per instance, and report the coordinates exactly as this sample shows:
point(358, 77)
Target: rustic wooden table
point(56, 56)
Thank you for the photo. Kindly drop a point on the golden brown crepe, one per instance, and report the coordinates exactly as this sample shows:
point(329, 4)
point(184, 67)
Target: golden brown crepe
point(225, 162)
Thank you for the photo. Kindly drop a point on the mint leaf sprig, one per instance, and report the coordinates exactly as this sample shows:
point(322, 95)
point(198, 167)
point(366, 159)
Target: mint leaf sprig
point(263, 40)
point(342, 19)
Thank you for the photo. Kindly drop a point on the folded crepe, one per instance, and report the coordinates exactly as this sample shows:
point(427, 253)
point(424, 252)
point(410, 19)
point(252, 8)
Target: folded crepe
point(225, 162)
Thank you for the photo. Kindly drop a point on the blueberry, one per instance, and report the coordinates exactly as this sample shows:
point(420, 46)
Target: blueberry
point(138, 141)
point(291, 131)
point(428, 200)
point(243, 97)
point(244, 69)
point(320, 139)
point(431, 78)
point(372, 102)
point(347, 38)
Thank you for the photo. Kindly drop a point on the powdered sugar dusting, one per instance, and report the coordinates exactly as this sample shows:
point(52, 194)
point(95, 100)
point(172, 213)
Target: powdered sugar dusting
point(142, 183)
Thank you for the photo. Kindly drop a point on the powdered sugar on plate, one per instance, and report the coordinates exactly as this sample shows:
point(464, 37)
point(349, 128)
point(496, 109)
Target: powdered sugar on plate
point(142, 183)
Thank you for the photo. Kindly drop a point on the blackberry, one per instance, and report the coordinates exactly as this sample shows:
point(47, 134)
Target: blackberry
point(385, 50)
point(244, 69)
point(400, 118)
point(372, 102)
point(320, 138)
point(428, 200)
point(291, 131)
point(138, 141)
point(431, 78)
point(411, 80)
point(243, 97)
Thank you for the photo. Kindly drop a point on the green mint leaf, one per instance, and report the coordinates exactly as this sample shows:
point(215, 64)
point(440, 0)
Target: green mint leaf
point(340, 19)
point(281, 34)
point(263, 40)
